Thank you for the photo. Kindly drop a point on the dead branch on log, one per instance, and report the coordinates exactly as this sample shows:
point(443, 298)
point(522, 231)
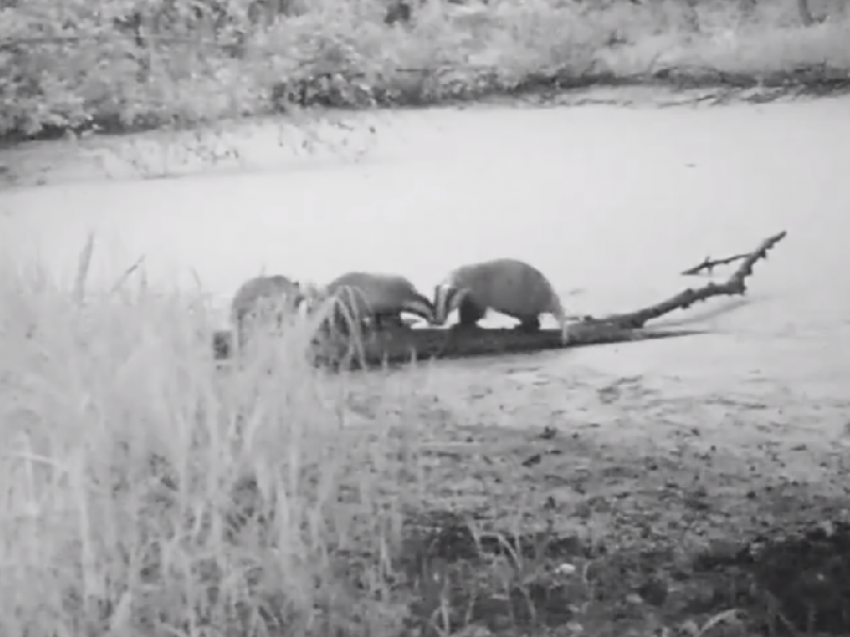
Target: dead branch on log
point(709, 264)
point(400, 345)
point(734, 285)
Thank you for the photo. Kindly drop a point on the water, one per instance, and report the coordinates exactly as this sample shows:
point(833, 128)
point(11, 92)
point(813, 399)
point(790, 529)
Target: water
point(612, 203)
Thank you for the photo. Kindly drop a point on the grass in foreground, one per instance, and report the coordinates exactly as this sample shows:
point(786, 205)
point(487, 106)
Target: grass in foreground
point(91, 68)
point(145, 491)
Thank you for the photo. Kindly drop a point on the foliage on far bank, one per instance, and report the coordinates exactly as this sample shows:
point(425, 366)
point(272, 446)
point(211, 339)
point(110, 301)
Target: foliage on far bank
point(116, 66)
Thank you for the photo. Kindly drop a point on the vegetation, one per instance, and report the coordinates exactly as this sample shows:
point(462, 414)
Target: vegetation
point(146, 491)
point(119, 65)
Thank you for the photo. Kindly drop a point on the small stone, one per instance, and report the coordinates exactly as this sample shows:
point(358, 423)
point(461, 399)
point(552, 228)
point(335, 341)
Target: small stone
point(565, 569)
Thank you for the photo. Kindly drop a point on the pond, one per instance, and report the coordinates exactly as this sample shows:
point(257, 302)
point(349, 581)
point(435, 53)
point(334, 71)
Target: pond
point(611, 202)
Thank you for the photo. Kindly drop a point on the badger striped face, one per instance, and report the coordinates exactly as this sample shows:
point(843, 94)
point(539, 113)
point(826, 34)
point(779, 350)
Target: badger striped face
point(421, 307)
point(447, 298)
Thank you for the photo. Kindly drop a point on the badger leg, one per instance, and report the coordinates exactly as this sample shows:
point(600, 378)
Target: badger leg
point(529, 325)
point(469, 313)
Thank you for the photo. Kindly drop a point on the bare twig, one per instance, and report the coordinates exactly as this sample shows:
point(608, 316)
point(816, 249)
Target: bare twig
point(709, 264)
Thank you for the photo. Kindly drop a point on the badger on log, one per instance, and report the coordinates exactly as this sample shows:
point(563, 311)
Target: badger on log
point(507, 286)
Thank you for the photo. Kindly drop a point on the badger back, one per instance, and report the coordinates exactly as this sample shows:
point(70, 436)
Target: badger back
point(367, 293)
point(518, 289)
point(263, 290)
point(508, 286)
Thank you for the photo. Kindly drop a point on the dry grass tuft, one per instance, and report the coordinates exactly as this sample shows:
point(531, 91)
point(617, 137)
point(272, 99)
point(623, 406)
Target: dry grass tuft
point(147, 490)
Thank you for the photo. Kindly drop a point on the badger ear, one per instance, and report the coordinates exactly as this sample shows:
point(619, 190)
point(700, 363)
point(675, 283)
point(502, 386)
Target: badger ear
point(449, 298)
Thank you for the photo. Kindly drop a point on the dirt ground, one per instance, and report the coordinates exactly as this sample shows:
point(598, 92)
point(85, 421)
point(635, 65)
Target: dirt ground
point(650, 469)
point(634, 507)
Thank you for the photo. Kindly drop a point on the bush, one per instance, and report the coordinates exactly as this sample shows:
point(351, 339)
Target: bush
point(114, 66)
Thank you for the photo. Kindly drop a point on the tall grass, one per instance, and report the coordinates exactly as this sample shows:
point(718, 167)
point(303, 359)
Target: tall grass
point(145, 490)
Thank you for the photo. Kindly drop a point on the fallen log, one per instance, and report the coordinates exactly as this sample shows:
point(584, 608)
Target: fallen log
point(401, 345)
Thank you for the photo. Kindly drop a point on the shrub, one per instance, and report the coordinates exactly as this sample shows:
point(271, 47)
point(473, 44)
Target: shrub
point(117, 66)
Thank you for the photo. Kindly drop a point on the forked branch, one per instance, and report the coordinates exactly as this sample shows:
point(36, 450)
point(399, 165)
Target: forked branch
point(708, 264)
point(734, 285)
point(761, 253)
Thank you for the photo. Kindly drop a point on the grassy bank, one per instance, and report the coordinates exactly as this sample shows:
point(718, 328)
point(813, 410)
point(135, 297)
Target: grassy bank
point(99, 66)
point(147, 492)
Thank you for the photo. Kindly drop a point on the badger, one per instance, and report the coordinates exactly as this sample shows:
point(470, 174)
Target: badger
point(507, 286)
point(261, 299)
point(377, 298)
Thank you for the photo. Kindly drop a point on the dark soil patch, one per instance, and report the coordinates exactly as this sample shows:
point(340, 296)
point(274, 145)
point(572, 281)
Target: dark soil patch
point(557, 530)
point(772, 584)
point(534, 582)
point(493, 580)
point(790, 582)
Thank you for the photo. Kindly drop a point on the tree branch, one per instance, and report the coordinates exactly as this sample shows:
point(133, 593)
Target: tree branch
point(734, 285)
point(709, 264)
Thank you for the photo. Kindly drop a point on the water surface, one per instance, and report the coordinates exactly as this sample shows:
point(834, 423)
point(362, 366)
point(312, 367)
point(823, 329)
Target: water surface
point(610, 202)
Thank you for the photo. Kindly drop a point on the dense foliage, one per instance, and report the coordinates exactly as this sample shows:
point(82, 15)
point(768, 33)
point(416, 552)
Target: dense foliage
point(121, 64)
